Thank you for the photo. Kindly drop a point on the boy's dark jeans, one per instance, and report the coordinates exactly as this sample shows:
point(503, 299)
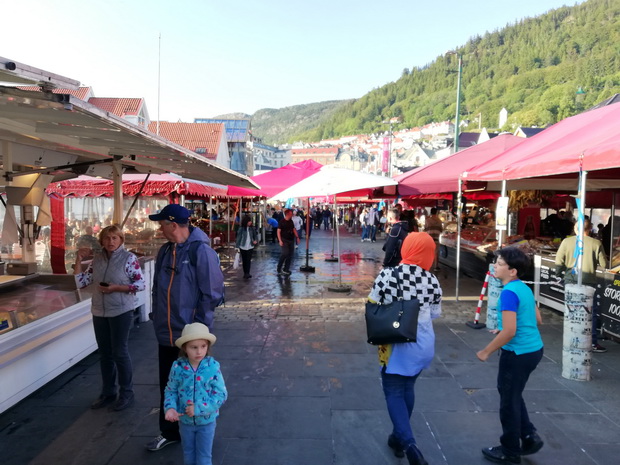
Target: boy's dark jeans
point(514, 371)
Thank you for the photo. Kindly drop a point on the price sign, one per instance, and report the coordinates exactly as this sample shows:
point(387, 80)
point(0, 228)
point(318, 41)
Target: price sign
point(501, 214)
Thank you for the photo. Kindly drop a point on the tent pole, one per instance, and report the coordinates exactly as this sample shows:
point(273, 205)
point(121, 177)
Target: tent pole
point(228, 222)
point(334, 232)
point(459, 212)
point(307, 267)
point(580, 231)
point(210, 216)
point(264, 221)
point(135, 199)
point(500, 242)
point(117, 176)
point(340, 287)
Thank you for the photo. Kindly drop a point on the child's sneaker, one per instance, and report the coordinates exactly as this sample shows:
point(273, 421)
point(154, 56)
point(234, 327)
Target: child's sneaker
point(159, 443)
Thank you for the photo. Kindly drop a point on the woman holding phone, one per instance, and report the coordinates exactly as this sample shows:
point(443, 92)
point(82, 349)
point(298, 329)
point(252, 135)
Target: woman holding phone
point(116, 277)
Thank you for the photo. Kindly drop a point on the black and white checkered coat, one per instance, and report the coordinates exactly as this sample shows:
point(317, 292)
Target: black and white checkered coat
point(414, 282)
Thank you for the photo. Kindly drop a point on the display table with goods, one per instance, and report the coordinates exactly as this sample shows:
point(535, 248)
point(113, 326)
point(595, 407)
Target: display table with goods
point(474, 262)
point(478, 245)
point(46, 328)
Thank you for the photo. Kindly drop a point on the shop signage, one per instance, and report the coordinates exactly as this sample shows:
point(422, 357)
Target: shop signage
point(501, 214)
point(555, 291)
point(385, 167)
point(610, 306)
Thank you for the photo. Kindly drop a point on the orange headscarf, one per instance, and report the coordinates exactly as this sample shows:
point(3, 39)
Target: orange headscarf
point(418, 249)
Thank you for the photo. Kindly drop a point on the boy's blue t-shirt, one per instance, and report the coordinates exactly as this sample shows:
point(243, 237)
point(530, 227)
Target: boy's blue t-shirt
point(517, 297)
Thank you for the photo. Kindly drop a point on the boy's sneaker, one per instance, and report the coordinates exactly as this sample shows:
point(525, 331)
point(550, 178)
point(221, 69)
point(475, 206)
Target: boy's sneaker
point(531, 444)
point(598, 349)
point(159, 443)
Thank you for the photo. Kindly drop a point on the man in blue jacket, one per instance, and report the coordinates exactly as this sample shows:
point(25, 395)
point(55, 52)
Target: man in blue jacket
point(187, 286)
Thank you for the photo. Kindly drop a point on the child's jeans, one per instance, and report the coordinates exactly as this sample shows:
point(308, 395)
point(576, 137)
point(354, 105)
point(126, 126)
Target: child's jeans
point(197, 443)
point(514, 371)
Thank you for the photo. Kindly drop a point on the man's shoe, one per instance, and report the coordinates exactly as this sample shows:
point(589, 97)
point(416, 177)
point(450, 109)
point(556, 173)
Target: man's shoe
point(396, 446)
point(122, 403)
point(599, 349)
point(159, 443)
point(496, 454)
point(531, 444)
point(414, 456)
point(102, 401)
point(286, 273)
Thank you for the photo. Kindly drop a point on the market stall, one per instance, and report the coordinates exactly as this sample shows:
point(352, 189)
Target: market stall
point(579, 154)
point(45, 325)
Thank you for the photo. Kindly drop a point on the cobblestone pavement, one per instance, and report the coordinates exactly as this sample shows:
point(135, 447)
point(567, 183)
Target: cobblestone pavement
point(304, 386)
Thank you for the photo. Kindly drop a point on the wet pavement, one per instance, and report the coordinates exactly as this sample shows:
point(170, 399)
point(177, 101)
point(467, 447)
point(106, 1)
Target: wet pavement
point(304, 386)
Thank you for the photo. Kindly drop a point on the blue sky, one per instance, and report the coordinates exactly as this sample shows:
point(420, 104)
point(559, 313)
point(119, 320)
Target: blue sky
point(226, 56)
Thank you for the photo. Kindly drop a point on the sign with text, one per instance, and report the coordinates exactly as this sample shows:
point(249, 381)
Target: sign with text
point(386, 155)
point(610, 306)
point(501, 214)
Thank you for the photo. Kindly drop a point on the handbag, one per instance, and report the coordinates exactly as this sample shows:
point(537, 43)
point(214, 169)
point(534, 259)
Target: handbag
point(236, 261)
point(394, 322)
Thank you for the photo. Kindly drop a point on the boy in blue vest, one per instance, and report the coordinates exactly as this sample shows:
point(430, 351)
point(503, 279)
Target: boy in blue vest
point(521, 351)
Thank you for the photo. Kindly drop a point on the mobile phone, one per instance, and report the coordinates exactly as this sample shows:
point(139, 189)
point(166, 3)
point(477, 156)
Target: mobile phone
point(104, 284)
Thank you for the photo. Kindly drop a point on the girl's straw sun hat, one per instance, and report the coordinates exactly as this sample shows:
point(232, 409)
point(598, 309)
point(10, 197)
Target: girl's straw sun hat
point(193, 332)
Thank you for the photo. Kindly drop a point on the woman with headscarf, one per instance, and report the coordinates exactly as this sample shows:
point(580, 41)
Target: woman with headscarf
point(402, 363)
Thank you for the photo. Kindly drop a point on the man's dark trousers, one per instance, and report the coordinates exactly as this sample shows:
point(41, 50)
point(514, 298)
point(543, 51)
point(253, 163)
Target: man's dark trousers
point(288, 249)
point(167, 356)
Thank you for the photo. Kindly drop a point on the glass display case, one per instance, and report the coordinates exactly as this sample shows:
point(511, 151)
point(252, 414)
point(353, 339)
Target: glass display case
point(24, 299)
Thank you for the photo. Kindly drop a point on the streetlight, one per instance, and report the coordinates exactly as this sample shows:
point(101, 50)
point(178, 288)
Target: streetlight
point(458, 100)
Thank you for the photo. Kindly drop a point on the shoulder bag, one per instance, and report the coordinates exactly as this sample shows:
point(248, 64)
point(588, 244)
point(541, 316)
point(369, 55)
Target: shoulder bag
point(394, 322)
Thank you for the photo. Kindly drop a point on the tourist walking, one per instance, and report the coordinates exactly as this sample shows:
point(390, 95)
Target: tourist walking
point(247, 239)
point(402, 363)
point(521, 349)
point(194, 393)
point(362, 219)
point(372, 221)
point(434, 227)
point(398, 232)
point(327, 218)
point(117, 278)
point(593, 256)
point(187, 287)
point(287, 238)
point(298, 222)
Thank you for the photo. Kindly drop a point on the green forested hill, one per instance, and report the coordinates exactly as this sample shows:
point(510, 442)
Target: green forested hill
point(533, 68)
point(275, 126)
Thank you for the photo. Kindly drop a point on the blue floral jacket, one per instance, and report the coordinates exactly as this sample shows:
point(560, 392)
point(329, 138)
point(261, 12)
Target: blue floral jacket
point(204, 387)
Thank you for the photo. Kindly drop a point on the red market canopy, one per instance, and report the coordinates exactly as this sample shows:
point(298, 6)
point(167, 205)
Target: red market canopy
point(443, 175)
point(234, 191)
point(157, 184)
point(274, 182)
point(588, 141)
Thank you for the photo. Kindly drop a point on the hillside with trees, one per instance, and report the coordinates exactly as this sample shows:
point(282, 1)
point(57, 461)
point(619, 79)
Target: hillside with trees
point(540, 69)
point(275, 126)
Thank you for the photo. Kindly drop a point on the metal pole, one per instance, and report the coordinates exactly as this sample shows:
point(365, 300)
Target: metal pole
point(580, 231)
point(500, 241)
point(390, 154)
point(210, 216)
point(458, 105)
point(228, 222)
point(264, 221)
point(459, 212)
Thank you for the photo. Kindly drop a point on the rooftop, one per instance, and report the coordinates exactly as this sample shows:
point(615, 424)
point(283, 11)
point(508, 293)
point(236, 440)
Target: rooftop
point(192, 136)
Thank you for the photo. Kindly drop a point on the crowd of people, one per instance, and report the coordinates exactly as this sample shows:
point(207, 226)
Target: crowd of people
point(189, 285)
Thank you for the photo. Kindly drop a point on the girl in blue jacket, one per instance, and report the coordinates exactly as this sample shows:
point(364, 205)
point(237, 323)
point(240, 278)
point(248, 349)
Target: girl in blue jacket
point(195, 393)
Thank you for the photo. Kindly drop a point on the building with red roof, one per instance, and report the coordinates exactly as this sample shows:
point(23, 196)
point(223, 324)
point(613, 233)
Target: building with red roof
point(206, 139)
point(132, 109)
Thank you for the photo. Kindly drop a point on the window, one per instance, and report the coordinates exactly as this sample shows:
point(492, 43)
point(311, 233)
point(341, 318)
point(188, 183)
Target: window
point(201, 150)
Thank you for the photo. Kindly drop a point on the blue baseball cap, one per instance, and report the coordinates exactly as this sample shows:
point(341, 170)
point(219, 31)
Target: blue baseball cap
point(173, 212)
